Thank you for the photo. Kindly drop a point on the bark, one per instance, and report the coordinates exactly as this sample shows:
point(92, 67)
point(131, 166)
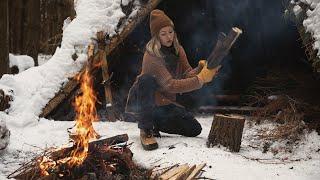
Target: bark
point(227, 131)
point(112, 44)
point(4, 38)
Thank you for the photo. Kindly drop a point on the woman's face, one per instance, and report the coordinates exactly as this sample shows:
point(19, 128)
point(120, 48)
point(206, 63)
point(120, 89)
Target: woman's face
point(166, 35)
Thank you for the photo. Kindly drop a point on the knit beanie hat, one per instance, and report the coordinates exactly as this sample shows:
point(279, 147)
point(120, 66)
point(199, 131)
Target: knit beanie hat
point(158, 20)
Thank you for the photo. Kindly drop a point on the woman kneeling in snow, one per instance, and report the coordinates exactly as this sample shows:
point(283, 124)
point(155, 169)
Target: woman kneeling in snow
point(165, 72)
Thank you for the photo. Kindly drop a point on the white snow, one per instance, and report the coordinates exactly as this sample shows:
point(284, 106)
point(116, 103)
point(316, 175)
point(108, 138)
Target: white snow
point(312, 22)
point(297, 10)
point(34, 87)
point(23, 62)
point(221, 164)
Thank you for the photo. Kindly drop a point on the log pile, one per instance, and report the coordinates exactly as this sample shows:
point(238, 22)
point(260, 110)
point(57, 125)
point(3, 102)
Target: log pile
point(108, 158)
point(178, 172)
point(226, 131)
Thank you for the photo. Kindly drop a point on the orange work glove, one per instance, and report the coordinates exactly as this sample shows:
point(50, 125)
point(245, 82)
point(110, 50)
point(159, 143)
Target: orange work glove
point(206, 75)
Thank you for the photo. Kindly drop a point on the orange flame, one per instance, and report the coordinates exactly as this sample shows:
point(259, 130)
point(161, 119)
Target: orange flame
point(86, 113)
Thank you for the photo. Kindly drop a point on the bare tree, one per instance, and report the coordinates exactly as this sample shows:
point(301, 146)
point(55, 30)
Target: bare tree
point(4, 34)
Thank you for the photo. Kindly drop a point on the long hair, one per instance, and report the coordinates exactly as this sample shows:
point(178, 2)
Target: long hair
point(154, 45)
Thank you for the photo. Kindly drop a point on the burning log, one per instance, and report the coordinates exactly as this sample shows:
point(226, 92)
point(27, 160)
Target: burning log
point(109, 141)
point(106, 160)
point(113, 42)
point(227, 131)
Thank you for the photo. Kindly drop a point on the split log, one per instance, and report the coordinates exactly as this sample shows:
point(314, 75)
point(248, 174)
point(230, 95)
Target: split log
point(246, 110)
point(227, 131)
point(112, 44)
point(174, 172)
point(196, 171)
point(108, 141)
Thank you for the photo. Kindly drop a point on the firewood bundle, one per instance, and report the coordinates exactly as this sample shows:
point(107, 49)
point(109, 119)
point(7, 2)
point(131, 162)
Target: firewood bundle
point(178, 172)
point(107, 159)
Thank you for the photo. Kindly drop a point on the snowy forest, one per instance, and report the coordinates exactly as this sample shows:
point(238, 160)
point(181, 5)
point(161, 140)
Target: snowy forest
point(159, 89)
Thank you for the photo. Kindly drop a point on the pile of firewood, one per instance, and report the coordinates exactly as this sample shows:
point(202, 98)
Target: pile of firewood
point(178, 172)
point(107, 159)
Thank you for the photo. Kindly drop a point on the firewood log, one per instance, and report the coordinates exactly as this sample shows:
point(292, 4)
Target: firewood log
point(108, 141)
point(196, 171)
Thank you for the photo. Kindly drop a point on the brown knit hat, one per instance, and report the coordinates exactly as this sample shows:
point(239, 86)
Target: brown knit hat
point(158, 20)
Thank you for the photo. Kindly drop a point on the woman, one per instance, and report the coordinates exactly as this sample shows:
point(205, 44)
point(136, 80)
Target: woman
point(165, 72)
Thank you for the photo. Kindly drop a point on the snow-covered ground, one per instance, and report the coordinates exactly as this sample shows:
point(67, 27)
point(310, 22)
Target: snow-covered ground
point(221, 164)
point(34, 87)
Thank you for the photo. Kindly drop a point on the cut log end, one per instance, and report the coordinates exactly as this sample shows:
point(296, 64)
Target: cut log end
point(227, 131)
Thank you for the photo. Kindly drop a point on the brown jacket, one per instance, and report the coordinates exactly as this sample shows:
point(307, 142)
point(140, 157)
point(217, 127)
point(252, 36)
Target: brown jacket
point(184, 79)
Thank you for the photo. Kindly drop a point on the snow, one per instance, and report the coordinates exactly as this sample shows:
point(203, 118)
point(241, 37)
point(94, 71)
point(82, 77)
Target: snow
point(34, 87)
point(23, 62)
point(312, 22)
point(297, 10)
point(221, 164)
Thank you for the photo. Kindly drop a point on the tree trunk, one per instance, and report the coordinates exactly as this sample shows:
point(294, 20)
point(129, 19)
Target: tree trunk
point(4, 37)
point(227, 131)
point(32, 29)
point(16, 19)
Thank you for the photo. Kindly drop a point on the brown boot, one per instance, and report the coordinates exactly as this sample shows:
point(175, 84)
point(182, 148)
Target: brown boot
point(147, 140)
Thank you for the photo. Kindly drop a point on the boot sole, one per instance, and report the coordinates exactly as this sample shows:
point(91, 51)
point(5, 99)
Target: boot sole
point(150, 146)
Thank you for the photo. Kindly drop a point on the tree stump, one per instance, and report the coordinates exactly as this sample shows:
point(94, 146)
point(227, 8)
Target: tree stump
point(227, 131)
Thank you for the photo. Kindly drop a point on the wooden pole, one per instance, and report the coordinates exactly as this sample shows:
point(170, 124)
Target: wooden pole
point(113, 43)
point(4, 38)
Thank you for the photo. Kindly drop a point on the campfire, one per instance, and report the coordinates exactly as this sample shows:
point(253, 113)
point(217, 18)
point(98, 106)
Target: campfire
point(90, 156)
